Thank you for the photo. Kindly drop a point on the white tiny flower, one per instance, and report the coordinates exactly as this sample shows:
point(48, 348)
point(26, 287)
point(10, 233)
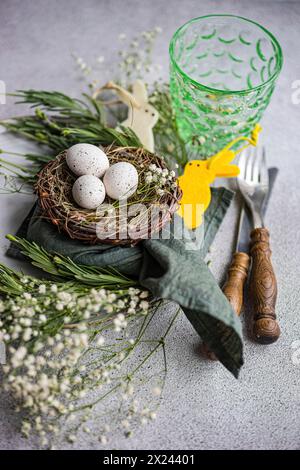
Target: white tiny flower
point(20, 353)
point(27, 334)
point(86, 315)
point(156, 391)
point(42, 289)
point(125, 423)
point(144, 305)
point(100, 341)
point(50, 341)
point(144, 294)
point(103, 439)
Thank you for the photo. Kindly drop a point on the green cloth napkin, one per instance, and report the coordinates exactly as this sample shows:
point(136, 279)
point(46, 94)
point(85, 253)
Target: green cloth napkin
point(170, 270)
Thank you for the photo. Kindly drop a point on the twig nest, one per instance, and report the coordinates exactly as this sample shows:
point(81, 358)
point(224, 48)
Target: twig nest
point(121, 180)
point(157, 191)
point(87, 159)
point(88, 191)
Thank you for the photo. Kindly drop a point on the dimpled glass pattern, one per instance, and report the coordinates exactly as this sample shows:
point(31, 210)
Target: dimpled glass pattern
point(223, 70)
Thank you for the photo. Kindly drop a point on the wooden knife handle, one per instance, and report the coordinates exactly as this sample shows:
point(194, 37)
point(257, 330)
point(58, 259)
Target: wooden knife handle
point(234, 284)
point(263, 288)
point(233, 288)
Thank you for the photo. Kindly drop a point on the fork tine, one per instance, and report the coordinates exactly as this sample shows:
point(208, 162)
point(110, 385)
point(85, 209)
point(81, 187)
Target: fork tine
point(264, 175)
point(249, 169)
point(256, 165)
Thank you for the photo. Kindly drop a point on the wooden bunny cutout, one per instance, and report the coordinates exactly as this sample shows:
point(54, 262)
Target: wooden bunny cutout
point(142, 117)
point(199, 174)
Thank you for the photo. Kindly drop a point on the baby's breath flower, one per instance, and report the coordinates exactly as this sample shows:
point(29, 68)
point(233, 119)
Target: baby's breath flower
point(100, 341)
point(162, 179)
point(58, 357)
point(103, 439)
point(144, 305)
point(156, 391)
point(144, 294)
point(42, 289)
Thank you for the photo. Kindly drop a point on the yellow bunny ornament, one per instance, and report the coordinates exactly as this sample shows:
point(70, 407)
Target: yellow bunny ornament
point(199, 174)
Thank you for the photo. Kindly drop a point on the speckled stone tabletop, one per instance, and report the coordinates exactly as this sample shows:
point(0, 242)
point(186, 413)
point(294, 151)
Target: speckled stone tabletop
point(203, 406)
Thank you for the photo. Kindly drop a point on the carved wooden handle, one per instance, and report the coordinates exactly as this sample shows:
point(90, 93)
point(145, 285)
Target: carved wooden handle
point(263, 288)
point(233, 288)
point(234, 285)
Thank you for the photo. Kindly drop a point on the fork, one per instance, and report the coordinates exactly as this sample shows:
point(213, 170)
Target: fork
point(253, 183)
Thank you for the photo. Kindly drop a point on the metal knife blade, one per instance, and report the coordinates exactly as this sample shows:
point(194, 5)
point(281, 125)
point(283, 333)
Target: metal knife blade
point(245, 222)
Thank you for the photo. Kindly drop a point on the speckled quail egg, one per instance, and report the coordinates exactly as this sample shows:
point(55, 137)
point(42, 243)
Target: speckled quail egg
point(87, 159)
point(121, 180)
point(88, 191)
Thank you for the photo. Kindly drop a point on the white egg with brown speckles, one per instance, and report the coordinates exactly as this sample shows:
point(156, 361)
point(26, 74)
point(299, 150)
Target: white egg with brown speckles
point(121, 180)
point(87, 159)
point(88, 191)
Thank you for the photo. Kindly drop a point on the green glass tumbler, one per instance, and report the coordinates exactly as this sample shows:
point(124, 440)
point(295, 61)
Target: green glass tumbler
point(223, 70)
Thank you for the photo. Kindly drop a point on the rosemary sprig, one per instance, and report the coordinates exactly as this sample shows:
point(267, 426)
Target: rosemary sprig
point(63, 268)
point(55, 101)
point(60, 121)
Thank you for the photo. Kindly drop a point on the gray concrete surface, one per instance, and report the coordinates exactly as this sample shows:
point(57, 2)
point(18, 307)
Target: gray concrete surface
point(203, 407)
